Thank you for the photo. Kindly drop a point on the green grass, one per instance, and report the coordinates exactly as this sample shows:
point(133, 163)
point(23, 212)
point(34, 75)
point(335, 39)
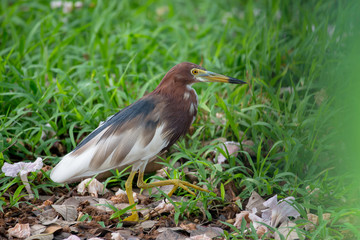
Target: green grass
point(66, 72)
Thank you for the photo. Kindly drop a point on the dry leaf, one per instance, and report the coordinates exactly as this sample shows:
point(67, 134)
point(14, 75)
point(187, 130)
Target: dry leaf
point(93, 186)
point(163, 207)
point(211, 232)
point(21, 168)
point(199, 237)
point(188, 227)
point(261, 231)
point(170, 234)
point(314, 192)
point(326, 216)
point(121, 234)
point(147, 225)
point(119, 199)
point(20, 231)
point(314, 220)
point(287, 229)
point(37, 229)
point(117, 236)
point(53, 228)
point(255, 201)
point(232, 149)
point(68, 212)
point(240, 217)
point(257, 221)
point(279, 212)
point(72, 237)
point(45, 236)
point(45, 204)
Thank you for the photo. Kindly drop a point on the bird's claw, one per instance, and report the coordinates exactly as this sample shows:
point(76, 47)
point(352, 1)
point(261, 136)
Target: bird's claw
point(134, 217)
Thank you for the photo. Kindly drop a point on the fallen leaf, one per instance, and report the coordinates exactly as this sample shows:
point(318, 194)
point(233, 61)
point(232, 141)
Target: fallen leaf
point(279, 212)
point(170, 234)
point(117, 236)
point(261, 231)
point(229, 147)
point(163, 207)
point(120, 197)
point(314, 192)
point(199, 237)
point(257, 221)
point(211, 232)
point(239, 217)
point(326, 216)
point(73, 237)
point(72, 201)
point(255, 201)
point(37, 229)
point(121, 234)
point(287, 229)
point(53, 228)
point(45, 204)
point(45, 236)
point(147, 225)
point(314, 220)
point(20, 231)
point(189, 226)
point(47, 221)
point(93, 186)
point(68, 212)
point(163, 229)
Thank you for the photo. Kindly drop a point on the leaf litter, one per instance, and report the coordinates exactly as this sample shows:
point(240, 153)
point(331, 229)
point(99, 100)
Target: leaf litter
point(84, 214)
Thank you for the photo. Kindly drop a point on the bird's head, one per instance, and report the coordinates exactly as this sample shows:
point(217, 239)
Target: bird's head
point(189, 73)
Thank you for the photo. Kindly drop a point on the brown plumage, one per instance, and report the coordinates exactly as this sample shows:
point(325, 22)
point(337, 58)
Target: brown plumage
point(140, 131)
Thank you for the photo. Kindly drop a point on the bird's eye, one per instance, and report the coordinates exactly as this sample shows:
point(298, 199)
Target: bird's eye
point(194, 71)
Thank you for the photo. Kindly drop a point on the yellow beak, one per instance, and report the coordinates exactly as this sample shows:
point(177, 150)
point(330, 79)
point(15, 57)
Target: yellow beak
point(207, 76)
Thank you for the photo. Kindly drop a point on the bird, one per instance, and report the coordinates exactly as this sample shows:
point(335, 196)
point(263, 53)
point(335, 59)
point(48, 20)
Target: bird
point(139, 132)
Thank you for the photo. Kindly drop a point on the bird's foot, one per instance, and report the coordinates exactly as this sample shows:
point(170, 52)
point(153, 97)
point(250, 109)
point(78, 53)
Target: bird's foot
point(175, 182)
point(134, 217)
point(185, 185)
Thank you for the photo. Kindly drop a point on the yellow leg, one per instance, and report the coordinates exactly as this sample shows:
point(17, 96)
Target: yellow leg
point(176, 182)
point(134, 217)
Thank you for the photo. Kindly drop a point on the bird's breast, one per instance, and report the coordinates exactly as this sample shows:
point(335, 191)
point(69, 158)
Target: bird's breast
point(179, 113)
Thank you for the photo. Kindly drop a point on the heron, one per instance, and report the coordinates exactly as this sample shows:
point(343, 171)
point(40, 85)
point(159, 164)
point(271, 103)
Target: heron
point(141, 131)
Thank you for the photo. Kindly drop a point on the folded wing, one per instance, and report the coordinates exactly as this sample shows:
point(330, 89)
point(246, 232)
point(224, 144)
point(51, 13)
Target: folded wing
point(130, 137)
